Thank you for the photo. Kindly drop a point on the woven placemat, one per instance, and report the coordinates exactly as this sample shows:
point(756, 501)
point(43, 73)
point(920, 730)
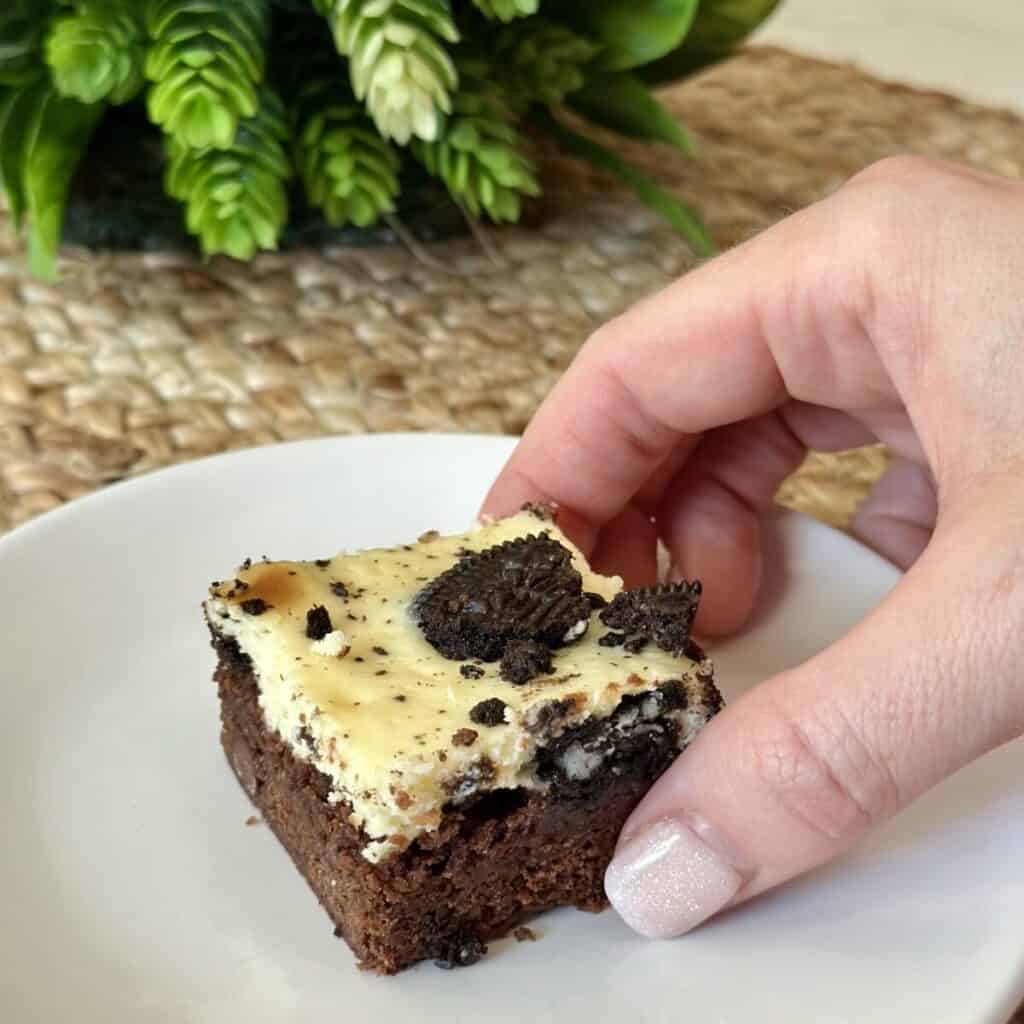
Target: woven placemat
point(135, 361)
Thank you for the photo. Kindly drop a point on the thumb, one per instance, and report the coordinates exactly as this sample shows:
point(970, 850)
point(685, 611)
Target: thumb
point(797, 770)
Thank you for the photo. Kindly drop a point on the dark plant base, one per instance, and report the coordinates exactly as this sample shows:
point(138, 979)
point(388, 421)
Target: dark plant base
point(118, 201)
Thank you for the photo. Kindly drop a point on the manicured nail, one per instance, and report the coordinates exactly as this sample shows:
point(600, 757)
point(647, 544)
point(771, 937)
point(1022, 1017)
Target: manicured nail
point(666, 879)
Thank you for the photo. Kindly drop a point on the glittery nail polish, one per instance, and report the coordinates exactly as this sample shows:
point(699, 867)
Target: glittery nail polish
point(666, 879)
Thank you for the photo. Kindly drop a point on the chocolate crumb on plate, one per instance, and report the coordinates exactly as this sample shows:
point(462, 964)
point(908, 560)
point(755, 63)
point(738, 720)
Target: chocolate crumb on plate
point(460, 951)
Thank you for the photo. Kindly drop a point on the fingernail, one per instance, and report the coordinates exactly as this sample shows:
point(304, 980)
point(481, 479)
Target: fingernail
point(666, 878)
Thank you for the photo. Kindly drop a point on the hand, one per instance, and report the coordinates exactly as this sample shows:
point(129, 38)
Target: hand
point(894, 310)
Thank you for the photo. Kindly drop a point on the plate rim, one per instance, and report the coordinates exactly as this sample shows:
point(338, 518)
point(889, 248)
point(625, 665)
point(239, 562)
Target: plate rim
point(129, 484)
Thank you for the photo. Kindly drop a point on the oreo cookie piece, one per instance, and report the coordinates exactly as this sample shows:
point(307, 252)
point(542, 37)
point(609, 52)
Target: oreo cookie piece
point(318, 622)
point(524, 660)
point(524, 589)
point(488, 712)
point(662, 614)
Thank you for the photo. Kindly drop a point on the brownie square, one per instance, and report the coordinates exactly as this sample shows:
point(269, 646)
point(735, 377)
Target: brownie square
point(506, 839)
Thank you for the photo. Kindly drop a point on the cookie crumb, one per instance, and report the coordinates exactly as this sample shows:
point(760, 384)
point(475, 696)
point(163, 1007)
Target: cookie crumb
point(318, 622)
point(524, 660)
point(253, 819)
point(524, 934)
point(460, 951)
point(464, 737)
point(488, 712)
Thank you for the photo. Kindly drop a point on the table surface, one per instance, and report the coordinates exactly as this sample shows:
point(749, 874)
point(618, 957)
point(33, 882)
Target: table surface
point(965, 47)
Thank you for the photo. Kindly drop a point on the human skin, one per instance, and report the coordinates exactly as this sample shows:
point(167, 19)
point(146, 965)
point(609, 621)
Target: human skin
point(891, 311)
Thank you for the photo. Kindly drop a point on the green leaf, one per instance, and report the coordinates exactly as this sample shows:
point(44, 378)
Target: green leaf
point(22, 26)
point(632, 32)
point(720, 26)
point(64, 130)
point(621, 102)
point(684, 220)
point(54, 132)
point(16, 119)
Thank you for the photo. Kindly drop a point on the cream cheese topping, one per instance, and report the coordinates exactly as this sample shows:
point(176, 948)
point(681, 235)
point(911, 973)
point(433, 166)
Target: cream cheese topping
point(385, 716)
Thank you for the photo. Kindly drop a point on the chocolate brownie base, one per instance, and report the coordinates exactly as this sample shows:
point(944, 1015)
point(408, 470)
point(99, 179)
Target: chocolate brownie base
point(495, 861)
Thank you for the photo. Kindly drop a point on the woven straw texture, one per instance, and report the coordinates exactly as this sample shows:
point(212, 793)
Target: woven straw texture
point(136, 361)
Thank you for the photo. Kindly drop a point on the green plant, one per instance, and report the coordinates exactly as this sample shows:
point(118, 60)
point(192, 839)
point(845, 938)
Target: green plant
point(235, 197)
point(479, 154)
point(397, 60)
point(98, 51)
point(206, 63)
point(349, 171)
point(344, 97)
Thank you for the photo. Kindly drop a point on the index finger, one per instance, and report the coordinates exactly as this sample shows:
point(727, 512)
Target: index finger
point(779, 316)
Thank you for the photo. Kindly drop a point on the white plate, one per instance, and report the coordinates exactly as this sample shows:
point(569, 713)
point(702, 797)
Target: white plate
point(134, 892)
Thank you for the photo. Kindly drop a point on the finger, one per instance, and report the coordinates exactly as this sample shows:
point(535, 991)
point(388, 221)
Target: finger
point(710, 513)
point(782, 315)
point(650, 494)
point(627, 547)
point(898, 516)
point(827, 430)
point(798, 769)
point(710, 516)
point(817, 427)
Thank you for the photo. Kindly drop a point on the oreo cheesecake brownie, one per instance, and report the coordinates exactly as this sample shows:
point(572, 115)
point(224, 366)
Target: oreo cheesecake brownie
point(447, 736)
